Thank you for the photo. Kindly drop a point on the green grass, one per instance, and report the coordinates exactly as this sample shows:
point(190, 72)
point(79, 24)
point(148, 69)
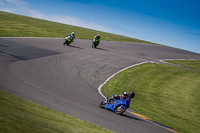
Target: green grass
point(166, 94)
point(18, 115)
point(195, 64)
point(12, 25)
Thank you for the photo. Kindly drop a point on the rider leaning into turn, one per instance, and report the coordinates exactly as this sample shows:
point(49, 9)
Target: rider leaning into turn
point(73, 35)
point(69, 35)
point(97, 37)
point(124, 95)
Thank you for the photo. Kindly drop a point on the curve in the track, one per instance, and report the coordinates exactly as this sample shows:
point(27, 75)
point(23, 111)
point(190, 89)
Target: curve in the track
point(66, 78)
point(145, 118)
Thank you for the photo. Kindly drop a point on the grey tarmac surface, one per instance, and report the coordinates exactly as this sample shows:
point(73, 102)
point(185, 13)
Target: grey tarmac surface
point(66, 78)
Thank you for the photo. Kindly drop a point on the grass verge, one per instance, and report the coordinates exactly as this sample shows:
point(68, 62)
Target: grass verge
point(195, 64)
point(18, 115)
point(12, 25)
point(166, 94)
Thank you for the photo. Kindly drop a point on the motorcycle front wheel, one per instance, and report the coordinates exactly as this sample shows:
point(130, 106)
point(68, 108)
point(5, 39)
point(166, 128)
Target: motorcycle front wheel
point(66, 42)
point(102, 105)
point(120, 109)
point(94, 46)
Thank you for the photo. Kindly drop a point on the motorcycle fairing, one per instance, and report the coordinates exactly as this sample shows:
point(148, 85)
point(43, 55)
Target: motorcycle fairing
point(117, 102)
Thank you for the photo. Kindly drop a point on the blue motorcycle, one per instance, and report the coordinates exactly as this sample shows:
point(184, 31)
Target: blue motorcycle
point(116, 103)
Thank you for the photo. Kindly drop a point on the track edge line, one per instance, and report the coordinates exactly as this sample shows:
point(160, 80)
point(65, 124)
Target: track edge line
point(131, 111)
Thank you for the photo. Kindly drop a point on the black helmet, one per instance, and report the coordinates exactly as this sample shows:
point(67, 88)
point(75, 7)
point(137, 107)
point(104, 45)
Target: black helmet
point(132, 94)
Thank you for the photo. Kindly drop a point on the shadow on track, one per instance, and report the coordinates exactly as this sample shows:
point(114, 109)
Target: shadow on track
point(130, 117)
point(15, 56)
point(102, 49)
point(127, 116)
point(75, 47)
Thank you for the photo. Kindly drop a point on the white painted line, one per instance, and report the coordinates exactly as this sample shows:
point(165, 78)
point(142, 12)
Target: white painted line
point(163, 60)
point(100, 87)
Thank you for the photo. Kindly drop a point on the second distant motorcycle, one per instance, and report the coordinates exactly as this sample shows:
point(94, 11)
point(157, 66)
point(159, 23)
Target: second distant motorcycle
point(68, 40)
point(96, 41)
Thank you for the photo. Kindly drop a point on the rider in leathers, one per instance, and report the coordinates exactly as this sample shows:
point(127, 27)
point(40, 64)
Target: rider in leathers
point(73, 36)
point(97, 37)
point(124, 95)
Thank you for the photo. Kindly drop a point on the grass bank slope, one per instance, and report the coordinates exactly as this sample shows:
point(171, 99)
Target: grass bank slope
point(18, 115)
point(12, 25)
point(166, 94)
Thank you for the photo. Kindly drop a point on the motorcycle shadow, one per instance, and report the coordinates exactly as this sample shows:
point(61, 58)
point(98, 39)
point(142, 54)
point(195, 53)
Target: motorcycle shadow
point(75, 47)
point(127, 116)
point(102, 49)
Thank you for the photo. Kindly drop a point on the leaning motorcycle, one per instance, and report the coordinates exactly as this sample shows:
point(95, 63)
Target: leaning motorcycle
point(117, 105)
point(68, 40)
point(95, 43)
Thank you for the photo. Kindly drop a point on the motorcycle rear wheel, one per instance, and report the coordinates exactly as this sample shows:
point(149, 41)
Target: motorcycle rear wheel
point(119, 109)
point(94, 46)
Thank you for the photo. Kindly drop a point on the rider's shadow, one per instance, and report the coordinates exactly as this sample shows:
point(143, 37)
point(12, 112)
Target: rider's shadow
point(102, 49)
point(75, 47)
point(128, 116)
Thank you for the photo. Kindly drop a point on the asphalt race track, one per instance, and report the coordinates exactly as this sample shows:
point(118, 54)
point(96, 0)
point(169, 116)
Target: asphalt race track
point(66, 78)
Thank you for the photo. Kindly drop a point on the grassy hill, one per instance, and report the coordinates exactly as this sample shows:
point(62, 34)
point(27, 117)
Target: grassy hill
point(12, 25)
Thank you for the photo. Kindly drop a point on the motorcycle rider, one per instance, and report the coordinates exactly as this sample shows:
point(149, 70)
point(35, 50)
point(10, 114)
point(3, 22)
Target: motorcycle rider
point(68, 35)
point(124, 95)
point(73, 36)
point(97, 37)
point(111, 100)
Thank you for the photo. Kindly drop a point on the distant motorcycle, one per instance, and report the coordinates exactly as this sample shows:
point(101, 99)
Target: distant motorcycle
point(68, 40)
point(117, 104)
point(95, 43)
